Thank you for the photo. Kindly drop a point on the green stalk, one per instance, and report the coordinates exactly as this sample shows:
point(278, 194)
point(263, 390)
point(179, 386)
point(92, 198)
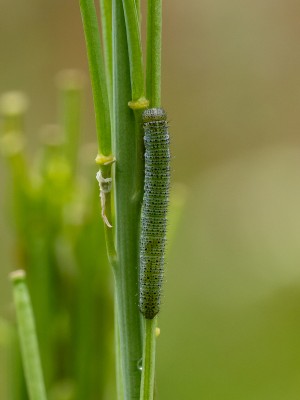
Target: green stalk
point(106, 23)
point(119, 375)
point(70, 83)
point(17, 384)
point(138, 9)
point(135, 51)
point(13, 106)
point(31, 245)
point(28, 339)
point(97, 74)
point(128, 198)
point(148, 368)
point(42, 287)
point(153, 64)
point(102, 111)
point(93, 323)
point(153, 81)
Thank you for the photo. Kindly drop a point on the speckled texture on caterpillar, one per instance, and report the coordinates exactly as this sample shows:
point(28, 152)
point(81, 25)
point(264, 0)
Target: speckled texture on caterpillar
point(154, 210)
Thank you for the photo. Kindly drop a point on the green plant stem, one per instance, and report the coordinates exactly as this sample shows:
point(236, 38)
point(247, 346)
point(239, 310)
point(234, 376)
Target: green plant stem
point(153, 64)
point(101, 104)
point(153, 84)
point(148, 368)
point(41, 284)
point(13, 107)
point(128, 198)
point(28, 339)
point(106, 23)
point(94, 314)
point(97, 74)
point(119, 376)
point(138, 9)
point(12, 147)
point(17, 384)
point(70, 84)
point(134, 49)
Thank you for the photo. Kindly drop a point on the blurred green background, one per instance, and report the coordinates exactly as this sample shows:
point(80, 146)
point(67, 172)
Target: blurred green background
point(230, 322)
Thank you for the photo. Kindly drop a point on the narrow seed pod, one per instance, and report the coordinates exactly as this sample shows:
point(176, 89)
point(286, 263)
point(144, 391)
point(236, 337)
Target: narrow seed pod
point(154, 210)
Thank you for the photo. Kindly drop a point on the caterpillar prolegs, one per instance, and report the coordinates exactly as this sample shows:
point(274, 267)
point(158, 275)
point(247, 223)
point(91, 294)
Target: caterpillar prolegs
point(154, 210)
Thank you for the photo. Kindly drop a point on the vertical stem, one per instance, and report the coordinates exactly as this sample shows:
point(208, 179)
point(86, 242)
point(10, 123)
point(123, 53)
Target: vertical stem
point(70, 83)
point(97, 74)
point(106, 23)
point(148, 368)
point(93, 313)
point(138, 9)
point(119, 375)
point(17, 384)
point(128, 197)
point(28, 339)
point(153, 85)
point(134, 49)
point(13, 106)
point(153, 65)
point(41, 282)
point(101, 105)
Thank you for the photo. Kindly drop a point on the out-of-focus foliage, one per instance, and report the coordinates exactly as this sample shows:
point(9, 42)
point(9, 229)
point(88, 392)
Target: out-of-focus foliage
point(58, 239)
point(229, 322)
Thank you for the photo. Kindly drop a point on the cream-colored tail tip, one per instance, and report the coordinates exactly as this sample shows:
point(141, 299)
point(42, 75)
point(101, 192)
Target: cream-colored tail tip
point(18, 275)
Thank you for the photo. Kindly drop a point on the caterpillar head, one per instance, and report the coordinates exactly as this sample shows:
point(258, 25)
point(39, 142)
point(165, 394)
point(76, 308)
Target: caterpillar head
point(154, 114)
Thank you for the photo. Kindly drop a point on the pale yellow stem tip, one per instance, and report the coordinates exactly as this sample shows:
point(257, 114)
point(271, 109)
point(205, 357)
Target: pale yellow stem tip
point(104, 160)
point(139, 104)
point(17, 276)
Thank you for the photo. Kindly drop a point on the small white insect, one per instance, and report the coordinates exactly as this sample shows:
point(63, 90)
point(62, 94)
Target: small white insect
point(105, 187)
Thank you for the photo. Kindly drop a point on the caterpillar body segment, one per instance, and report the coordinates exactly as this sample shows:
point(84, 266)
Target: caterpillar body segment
point(154, 210)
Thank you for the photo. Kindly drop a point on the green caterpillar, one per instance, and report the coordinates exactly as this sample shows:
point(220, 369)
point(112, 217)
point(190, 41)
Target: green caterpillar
point(154, 210)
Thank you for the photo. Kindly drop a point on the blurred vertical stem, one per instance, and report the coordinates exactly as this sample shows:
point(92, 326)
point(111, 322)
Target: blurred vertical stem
point(128, 197)
point(13, 106)
point(153, 82)
point(17, 384)
point(28, 339)
point(138, 8)
point(70, 83)
point(93, 334)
